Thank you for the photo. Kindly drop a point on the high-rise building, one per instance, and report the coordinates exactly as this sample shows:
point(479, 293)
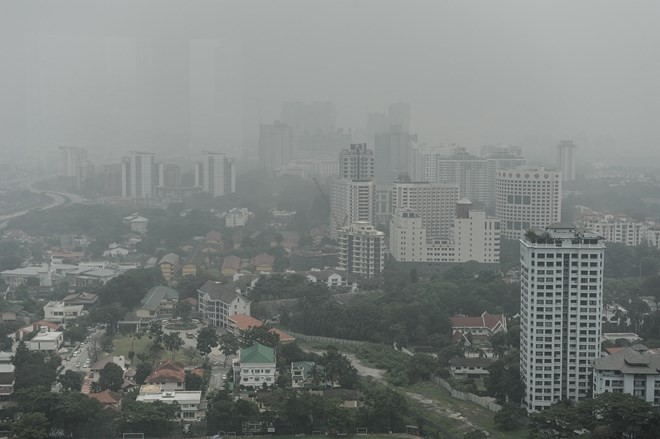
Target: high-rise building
point(356, 163)
point(70, 159)
point(275, 145)
point(383, 212)
point(169, 175)
point(392, 151)
point(351, 201)
point(434, 203)
point(85, 175)
point(310, 117)
point(361, 249)
point(474, 237)
point(399, 116)
point(561, 301)
point(566, 160)
point(527, 198)
point(474, 175)
point(215, 174)
point(138, 175)
point(112, 179)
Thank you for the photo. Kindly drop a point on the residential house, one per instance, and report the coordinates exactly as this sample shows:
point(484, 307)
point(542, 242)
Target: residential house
point(59, 312)
point(96, 368)
point(169, 266)
point(308, 375)
point(39, 325)
point(7, 375)
point(484, 325)
point(189, 402)
point(115, 250)
point(333, 279)
point(46, 341)
point(231, 265)
point(472, 368)
point(139, 225)
point(169, 375)
point(263, 263)
point(255, 366)
point(242, 322)
point(107, 398)
point(349, 398)
point(216, 302)
point(88, 300)
point(90, 276)
point(634, 370)
point(11, 312)
point(158, 300)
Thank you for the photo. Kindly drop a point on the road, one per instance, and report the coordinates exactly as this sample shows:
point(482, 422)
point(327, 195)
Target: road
point(77, 363)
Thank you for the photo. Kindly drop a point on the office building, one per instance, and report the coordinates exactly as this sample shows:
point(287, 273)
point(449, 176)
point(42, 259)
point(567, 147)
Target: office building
point(138, 175)
point(361, 249)
point(351, 201)
point(168, 175)
point(561, 301)
point(275, 145)
point(357, 163)
point(474, 175)
point(434, 203)
point(392, 150)
point(527, 198)
point(69, 159)
point(474, 237)
point(566, 160)
point(215, 174)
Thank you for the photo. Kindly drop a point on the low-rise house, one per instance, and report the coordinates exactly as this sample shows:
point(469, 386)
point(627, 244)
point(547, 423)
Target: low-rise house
point(216, 302)
point(241, 322)
point(230, 265)
point(7, 375)
point(158, 300)
point(90, 276)
point(237, 217)
point(139, 225)
point(39, 273)
point(484, 325)
point(308, 375)
point(263, 263)
point(169, 266)
point(189, 402)
point(255, 366)
point(169, 376)
point(46, 341)
point(115, 250)
point(108, 398)
point(38, 326)
point(348, 397)
point(10, 312)
point(634, 370)
point(96, 368)
point(333, 279)
point(472, 368)
point(59, 312)
point(88, 300)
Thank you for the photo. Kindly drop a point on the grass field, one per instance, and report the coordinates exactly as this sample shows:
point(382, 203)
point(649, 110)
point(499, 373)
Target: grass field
point(122, 346)
point(476, 414)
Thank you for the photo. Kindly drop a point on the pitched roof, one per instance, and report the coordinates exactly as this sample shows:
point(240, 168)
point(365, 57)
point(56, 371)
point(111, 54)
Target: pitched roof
point(258, 354)
point(231, 262)
point(217, 291)
point(264, 259)
point(156, 295)
point(244, 323)
point(100, 364)
point(170, 258)
point(490, 321)
point(635, 359)
point(471, 362)
point(106, 397)
point(166, 375)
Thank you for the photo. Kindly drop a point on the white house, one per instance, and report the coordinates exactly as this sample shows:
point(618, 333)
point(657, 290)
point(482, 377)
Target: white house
point(188, 401)
point(58, 312)
point(255, 366)
point(216, 302)
point(470, 367)
point(46, 341)
point(333, 279)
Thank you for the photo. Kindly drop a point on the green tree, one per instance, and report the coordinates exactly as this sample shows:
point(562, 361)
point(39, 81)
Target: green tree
point(152, 419)
point(123, 289)
point(191, 353)
point(182, 310)
point(111, 377)
point(259, 334)
point(31, 426)
point(75, 334)
point(503, 381)
point(173, 342)
point(71, 380)
point(142, 371)
point(207, 339)
point(229, 345)
point(193, 381)
point(511, 417)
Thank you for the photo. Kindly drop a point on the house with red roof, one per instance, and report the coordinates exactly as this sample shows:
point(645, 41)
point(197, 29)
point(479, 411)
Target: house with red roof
point(240, 322)
point(108, 398)
point(169, 375)
point(484, 325)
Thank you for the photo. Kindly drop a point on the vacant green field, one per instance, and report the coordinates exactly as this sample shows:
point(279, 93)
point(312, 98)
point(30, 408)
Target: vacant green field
point(476, 414)
point(122, 346)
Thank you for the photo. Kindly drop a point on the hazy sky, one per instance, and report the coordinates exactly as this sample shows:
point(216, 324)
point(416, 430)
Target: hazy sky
point(183, 75)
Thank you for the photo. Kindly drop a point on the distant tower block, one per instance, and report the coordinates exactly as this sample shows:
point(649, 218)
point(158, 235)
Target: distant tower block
point(566, 160)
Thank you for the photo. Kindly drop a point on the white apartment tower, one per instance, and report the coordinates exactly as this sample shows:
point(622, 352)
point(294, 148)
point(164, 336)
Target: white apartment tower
point(138, 177)
point(215, 174)
point(275, 145)
point(356, 163)
point(527, 198)
point(435, 203)
point(566, 160)
point(361, 249)
point(561, 301)
point(351, 201)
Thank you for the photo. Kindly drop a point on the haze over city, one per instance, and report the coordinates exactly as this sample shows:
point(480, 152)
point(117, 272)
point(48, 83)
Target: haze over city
point(168, 77)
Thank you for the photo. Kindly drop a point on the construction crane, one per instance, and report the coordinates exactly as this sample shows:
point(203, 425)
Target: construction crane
point(338, 224)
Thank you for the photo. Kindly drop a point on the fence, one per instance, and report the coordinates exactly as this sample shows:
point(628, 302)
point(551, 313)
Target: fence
point(319, 338)
point(483, 401)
